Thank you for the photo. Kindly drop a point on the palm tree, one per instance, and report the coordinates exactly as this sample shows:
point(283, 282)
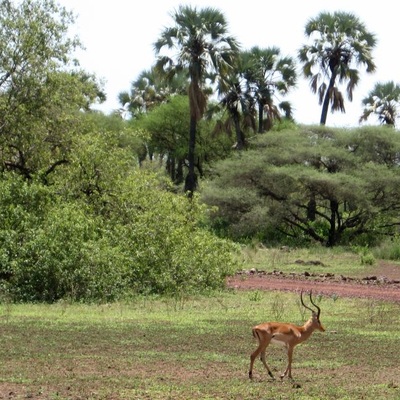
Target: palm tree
point(268, 75)
point(203, 47)
point(151, 89)
point(239, 104)
point(341, 43)
point(383, 101)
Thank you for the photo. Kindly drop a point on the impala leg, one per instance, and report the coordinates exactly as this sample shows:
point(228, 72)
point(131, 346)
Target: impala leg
point(288, 371)
point(253, 356)
point(263, 343)
point(262, 358)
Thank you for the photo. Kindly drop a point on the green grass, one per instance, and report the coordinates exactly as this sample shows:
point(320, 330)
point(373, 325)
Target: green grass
point(199, 349)
point(315, 259)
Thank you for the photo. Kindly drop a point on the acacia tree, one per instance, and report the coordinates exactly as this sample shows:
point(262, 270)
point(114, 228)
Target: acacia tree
point(268, 76)
point(340, 44)
point(352, 178)
point(383, 101)
point(203, 46)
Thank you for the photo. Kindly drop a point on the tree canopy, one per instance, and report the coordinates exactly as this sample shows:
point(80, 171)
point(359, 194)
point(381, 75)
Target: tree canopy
point(41, 92)
point(329, 186)
point(269, 75)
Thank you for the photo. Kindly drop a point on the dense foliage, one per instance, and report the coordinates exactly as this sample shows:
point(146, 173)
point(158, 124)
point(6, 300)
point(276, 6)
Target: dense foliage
point(327, 185)
point(79, 218)
point(136, 238)
point(41, 89)
point(167, 130)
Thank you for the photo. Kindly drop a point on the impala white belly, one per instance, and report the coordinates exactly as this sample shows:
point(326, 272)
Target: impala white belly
point(278, 342)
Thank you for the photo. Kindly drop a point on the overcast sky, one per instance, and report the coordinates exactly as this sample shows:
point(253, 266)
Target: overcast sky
point(118, 36)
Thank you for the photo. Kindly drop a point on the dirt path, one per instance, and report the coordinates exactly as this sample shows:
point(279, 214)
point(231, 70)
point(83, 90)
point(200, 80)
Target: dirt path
point(383, 285)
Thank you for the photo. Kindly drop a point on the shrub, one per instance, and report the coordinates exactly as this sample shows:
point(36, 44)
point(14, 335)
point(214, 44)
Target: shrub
point(67, 256)
point(143, 239)
point(169, 251)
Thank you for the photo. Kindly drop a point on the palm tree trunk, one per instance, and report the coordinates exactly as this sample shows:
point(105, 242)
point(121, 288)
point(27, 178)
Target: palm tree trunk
point(240, 141)
point(260, 117)
point(191, 178)
point(327, 98)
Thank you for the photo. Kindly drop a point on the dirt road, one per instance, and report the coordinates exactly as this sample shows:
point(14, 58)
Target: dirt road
point(370, 287)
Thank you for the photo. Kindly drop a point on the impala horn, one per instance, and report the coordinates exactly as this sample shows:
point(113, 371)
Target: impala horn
point(312, 302)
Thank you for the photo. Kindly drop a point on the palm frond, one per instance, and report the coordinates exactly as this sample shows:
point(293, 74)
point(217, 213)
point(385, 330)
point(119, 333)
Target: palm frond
point(340, 45)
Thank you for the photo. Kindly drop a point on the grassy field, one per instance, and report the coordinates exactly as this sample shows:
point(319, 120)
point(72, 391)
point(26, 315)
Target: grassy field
point(314, 260)
point(198, 349)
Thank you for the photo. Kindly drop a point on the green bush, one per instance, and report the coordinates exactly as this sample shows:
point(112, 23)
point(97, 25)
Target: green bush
point(68, 257)
point(22, 206)
point(144, 239)
point(169, 250)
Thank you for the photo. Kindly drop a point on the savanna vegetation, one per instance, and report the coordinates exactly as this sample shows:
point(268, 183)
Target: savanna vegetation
point(310, 184)
point(97, 207)
point(117, 232)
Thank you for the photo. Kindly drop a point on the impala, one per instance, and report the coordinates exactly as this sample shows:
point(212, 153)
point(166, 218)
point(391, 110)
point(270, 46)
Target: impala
point(288, 335)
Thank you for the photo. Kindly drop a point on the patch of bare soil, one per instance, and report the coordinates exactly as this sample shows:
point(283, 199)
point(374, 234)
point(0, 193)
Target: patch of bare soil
point(384, 284)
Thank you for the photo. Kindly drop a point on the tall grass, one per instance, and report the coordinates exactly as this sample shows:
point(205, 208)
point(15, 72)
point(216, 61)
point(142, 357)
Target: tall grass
point(388, 250)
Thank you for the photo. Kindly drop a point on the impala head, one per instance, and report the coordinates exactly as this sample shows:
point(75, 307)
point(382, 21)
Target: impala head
point(315, 314)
